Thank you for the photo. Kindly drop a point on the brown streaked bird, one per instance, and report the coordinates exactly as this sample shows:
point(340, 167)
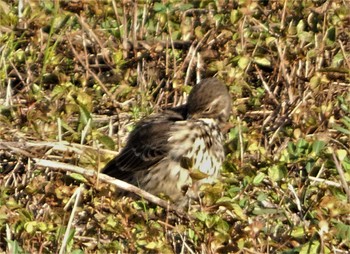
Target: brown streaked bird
point(177, 150)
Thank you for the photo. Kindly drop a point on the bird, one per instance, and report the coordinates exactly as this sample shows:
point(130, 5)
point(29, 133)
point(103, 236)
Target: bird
point(177, 150)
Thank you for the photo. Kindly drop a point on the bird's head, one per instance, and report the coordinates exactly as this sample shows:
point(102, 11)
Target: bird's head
point(209, 99)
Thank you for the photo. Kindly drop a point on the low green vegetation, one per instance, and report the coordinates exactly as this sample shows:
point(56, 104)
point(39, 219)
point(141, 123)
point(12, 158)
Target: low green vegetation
point(75, 76)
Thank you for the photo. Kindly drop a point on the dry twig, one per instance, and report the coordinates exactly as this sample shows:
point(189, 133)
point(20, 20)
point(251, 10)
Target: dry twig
point(118, 183)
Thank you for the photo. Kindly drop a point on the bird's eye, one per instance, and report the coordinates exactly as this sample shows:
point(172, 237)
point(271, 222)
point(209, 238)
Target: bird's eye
point(207, 110)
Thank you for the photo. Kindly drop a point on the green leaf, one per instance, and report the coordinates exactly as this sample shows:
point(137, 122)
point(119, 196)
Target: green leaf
point(106, 141)
point(185, 7)
point(277, 172)
point(58, 91)
point(84, 114)
point(301, 27)
point(78, 177)
point(211, 221)
point(224, 200)
point(111, 222)
point(318, 146)
point(196, 174)
point(263, 211)
point(306, 36)
point(315, 82)
point(191, 233)
point(42, 226)
point(301, 146)
point(346, 120)
point(14, 247)
point(237, 210)
point(243, 62)
point(341, 129)
point(309, 165)
point(262, 197)
point(202, 216)
point(67, 127)
point(235, 16)
point(342, 231)
point(159, 7)
point(331, 34)
point(30, 226)
point(151, 245)
point(298, 232)
point(341, 154)
point(70, 240)
point(346, 165)
point(77, 251)
point(337, 60)
point(259, 178)
point(222, 226)
point(311, 247)
point(262, 61)
point(270, 40)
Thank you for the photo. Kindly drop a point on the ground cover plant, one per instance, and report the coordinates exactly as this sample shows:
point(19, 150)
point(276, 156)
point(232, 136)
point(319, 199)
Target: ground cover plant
point(75, 76)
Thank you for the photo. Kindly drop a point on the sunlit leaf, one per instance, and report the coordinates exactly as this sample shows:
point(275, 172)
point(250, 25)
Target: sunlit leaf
point(310, 247)
point(277, 172)
point(235, 16)
point(262, 61)
point(201, 216)
point(30, 226)
point(197, 174)
point(318, 146)
point(14, 247)
point(77, 252)
point(67, 127)
point(341, 154)
point(42, 226)
point(159, 7)
point(259, 178)
point(341, 129)
point(261, 211)
point(237, 210)
point(106, 141)
point(78, 177)
point(298, 232)
point(343, 231)
point(185, 6)
point(151, 245)
point(84, 114)
point(243, 62)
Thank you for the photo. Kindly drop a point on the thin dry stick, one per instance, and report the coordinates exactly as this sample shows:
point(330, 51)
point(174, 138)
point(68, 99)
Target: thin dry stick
point(281, 54)
point(64, 146)
point(192, 56)
point(88, 69)
point(283, 19)
point(76, 195)
point(8, 100)
point(344, 53)
point(327, 182)
point(297, 200)
point(59, 127)
point(119, 183)
point(342, 176)
point(240, 139)
point(90, 32)
point(266, 86)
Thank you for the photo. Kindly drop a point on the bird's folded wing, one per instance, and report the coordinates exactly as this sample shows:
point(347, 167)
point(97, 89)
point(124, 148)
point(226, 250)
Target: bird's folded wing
point(146, 146)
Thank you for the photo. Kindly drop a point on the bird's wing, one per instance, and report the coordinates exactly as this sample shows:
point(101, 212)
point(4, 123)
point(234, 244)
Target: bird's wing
point(147, 145)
